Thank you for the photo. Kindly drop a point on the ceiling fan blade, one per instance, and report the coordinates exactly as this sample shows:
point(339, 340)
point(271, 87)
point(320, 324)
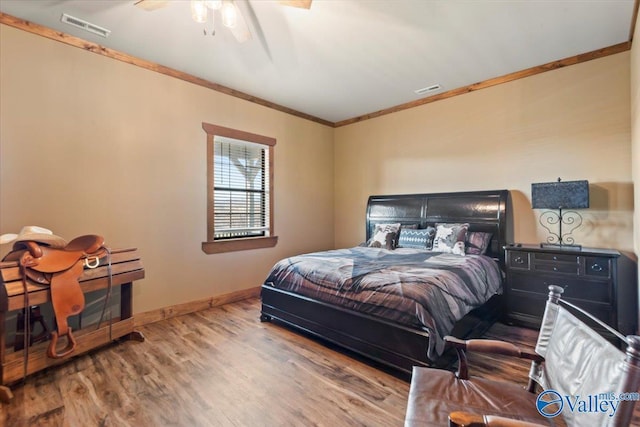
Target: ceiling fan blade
point(241, 30)
point(302, 4)
point(257, 28)
point(150, 5)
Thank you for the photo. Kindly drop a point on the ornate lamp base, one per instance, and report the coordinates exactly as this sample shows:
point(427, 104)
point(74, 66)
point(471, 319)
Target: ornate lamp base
point(560, 240)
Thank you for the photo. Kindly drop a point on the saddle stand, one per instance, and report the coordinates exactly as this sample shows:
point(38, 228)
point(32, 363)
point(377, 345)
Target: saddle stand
point(60, 269)
point(35, 317)
point(34, 274)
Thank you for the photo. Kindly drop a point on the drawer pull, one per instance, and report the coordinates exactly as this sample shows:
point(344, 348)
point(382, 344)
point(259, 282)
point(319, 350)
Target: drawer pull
point(518, 260)
point(596, 267)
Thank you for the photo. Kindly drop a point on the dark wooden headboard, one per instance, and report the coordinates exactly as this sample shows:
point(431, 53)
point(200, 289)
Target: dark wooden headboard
point(483, 210)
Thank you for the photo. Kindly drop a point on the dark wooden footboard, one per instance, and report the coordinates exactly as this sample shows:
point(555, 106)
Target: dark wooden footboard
point(388, 343)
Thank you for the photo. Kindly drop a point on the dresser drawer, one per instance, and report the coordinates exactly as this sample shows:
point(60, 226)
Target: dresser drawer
point(588, 290)
point(518, 260)
point(556, 263)
point(596, 266)
point(533, 306)
point(555, 257)
point(557, 267)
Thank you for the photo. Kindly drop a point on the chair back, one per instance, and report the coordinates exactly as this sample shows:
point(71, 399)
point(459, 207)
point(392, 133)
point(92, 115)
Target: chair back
point(592, 381)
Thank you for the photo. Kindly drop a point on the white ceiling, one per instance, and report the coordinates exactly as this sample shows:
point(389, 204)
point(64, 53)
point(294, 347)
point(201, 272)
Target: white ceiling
point(346, 58)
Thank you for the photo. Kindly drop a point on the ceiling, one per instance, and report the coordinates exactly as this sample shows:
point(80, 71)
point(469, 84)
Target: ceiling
point(343, 59)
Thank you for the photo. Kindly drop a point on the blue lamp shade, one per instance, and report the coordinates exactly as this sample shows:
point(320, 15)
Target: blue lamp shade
point(560, 195)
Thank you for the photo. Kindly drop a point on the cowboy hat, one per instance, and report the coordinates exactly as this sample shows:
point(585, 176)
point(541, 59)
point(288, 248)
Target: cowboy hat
point(34, 233)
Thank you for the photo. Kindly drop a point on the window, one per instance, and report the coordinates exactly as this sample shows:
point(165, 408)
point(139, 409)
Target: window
point(239, 190)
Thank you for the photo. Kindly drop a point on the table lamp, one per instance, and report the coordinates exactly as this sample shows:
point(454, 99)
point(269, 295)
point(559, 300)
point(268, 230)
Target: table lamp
point(560, 196)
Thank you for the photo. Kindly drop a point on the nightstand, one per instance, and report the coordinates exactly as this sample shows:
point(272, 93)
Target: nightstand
point(600, 281)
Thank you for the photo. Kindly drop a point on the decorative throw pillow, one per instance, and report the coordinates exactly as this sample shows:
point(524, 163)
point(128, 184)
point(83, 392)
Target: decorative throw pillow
point(450, 238)
point(385, 236)
point(478, 242)
point(419, 239)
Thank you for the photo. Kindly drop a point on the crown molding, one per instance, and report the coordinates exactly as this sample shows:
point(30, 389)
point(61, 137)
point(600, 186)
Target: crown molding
point(152, 66)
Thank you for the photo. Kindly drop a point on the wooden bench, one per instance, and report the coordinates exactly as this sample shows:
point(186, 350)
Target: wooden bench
point(126, 266)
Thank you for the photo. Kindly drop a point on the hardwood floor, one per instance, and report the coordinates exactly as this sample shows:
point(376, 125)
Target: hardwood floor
point(222, 367)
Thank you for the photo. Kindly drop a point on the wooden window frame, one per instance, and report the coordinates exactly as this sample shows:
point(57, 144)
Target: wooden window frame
point(243, 243)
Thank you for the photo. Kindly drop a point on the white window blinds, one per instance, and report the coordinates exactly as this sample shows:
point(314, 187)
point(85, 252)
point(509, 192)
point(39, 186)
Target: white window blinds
point(241, 189)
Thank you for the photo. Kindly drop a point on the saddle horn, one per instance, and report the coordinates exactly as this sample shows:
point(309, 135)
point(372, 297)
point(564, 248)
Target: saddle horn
point(34, 249)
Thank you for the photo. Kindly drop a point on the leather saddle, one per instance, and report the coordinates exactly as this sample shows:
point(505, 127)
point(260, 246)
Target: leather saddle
point(60, 269)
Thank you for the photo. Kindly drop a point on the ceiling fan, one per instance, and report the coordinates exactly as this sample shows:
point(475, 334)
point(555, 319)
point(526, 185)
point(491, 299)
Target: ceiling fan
point(232, 17)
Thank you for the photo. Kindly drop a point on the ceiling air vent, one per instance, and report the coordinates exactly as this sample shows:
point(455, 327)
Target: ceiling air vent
point(429, 89)
point(84, 25)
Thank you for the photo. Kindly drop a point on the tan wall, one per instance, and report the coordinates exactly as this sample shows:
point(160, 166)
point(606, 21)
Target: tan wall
point(572, 123)
point(635, 125)
point(93, 145)
point(635, 130)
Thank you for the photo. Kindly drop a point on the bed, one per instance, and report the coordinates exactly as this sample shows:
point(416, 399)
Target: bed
point(395, 306)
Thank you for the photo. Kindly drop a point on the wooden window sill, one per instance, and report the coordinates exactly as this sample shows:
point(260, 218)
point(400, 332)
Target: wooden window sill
point(233, 245)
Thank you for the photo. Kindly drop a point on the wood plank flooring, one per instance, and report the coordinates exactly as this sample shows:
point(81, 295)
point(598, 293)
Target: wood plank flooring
point(222, 367)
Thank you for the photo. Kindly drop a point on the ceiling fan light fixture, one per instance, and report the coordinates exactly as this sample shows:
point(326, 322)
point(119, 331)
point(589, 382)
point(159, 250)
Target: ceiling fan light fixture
point(214, 4)
point(199, 11)
point(229, 14)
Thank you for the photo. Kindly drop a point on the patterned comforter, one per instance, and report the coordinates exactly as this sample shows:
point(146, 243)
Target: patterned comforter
point(412, 287)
